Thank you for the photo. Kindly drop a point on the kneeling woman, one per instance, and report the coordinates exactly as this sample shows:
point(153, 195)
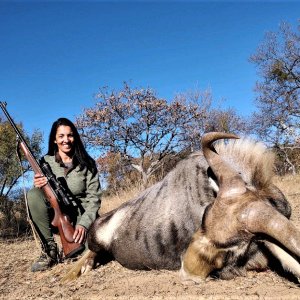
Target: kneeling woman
point(77, 171)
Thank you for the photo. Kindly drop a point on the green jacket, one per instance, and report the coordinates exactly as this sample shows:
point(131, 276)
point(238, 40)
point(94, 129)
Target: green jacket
point(83, 184)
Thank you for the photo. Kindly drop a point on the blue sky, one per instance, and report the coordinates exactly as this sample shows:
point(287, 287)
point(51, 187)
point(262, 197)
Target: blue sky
point(54, 55)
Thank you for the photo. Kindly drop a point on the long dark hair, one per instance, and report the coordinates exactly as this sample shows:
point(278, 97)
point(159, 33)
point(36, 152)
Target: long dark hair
point(80, 153)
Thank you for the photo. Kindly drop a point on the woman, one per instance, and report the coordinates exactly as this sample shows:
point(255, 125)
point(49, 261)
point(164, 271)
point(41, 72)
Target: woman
point(77, 171)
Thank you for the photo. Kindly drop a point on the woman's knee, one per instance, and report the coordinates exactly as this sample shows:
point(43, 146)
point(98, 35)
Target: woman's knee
point(36, 199)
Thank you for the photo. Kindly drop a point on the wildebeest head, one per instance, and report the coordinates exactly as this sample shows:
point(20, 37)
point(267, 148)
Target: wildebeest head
point(240, 215)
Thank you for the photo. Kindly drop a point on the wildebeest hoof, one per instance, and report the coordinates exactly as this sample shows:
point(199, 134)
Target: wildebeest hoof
point(188, 279)
point(85, 269)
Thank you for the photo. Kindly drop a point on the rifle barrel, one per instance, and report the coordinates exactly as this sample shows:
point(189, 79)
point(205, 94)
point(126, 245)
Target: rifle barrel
point(13, 124)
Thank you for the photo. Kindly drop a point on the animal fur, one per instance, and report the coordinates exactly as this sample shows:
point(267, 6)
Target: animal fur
point(154, 230)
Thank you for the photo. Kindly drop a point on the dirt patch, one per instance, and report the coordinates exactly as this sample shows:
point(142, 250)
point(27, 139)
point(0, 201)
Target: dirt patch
point(113, 281)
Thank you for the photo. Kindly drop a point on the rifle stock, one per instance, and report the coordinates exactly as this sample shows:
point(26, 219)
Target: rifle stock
point(60, 220)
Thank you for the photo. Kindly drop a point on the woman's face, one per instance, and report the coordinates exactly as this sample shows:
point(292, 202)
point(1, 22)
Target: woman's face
point(64, 139)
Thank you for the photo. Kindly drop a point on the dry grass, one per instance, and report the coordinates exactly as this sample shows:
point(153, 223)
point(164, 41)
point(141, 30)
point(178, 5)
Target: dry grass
point(111, 202)
point(289, 184)
point(112, 281)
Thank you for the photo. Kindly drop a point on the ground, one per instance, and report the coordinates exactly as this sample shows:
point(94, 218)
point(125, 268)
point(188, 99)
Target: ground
point(113, 281)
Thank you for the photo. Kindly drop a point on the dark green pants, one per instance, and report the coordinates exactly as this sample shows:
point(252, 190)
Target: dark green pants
point(42, 214)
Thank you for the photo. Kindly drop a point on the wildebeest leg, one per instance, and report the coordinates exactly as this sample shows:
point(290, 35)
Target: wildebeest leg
point(89, 262)
point(288, 262)
point(200, 259)
point(83, 265)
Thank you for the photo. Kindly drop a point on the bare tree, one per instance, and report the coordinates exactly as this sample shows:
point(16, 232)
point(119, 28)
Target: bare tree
point(141, 127)
point(278, 117)
point(146, 132)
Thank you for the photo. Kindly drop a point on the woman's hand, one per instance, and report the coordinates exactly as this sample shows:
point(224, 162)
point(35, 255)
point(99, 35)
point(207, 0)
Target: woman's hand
point(79, 235)
point(39, 180)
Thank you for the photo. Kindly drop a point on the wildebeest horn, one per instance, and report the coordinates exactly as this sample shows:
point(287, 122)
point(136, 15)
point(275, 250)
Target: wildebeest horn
point(230, 181)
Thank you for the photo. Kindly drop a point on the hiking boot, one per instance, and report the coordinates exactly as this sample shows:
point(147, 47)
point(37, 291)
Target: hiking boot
point(47, 259)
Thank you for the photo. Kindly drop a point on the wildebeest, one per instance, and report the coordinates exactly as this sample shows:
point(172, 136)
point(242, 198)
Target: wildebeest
point(154, 230)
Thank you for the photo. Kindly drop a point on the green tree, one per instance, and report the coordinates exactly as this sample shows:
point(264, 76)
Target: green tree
point(226, 120)
point(10, 168)
point(12, 205)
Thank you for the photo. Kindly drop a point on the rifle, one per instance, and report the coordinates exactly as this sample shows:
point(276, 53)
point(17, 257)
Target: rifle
point(54, 192)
